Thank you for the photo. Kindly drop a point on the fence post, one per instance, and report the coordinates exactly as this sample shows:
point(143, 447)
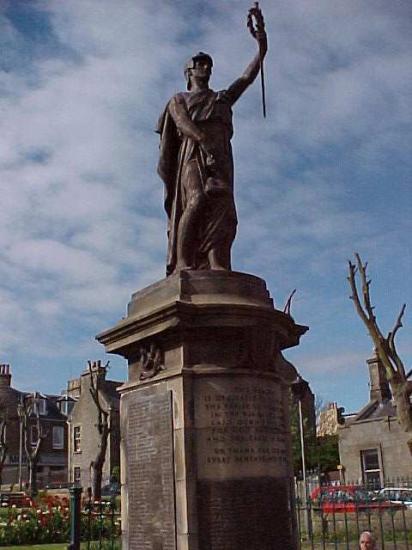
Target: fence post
point(75, 499)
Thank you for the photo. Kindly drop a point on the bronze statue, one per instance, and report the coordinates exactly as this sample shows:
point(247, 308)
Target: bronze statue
point(196, 162)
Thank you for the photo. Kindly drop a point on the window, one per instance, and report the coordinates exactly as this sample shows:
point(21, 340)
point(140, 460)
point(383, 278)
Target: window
point(34, 436)
point(76, 474)
point(371, 471)
point(76, 439)
point(66, 406)
point(42, 406)
point(58, 437)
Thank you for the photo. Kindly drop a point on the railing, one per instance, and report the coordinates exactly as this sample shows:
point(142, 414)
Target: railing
point(94, 523)
point(334, 516)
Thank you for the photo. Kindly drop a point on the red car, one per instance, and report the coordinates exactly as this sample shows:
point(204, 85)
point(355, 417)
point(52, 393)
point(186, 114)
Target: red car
point(348, 498)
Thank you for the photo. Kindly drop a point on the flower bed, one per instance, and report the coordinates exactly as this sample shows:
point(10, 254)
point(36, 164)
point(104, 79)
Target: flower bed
point(46, 520)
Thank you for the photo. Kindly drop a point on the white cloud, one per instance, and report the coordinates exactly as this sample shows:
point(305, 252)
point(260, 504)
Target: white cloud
point(82, 225)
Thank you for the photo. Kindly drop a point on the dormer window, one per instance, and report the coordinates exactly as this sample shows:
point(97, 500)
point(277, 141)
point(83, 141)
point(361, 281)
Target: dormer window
point(66, 406)
point(42, 406)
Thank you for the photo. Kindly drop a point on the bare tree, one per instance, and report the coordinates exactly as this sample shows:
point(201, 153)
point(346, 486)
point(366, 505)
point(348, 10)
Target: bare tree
point(396, 374)
point(33, 435)
point(3, 441)
point(103, 428)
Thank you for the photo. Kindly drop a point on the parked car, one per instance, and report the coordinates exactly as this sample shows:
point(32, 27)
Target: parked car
point(349, 498)
point(397, 495)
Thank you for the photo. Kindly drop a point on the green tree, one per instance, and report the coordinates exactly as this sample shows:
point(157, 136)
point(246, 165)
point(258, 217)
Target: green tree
point(321, 453)
point(309, 437)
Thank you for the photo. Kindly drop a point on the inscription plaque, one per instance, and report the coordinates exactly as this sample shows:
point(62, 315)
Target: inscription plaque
point(150, 472)
point(240, 427)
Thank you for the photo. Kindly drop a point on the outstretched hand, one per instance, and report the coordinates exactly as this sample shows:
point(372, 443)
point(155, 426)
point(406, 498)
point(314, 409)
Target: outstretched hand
point(256, 26)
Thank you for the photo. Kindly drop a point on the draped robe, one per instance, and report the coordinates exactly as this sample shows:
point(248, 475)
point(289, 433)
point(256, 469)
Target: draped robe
point(211, 112)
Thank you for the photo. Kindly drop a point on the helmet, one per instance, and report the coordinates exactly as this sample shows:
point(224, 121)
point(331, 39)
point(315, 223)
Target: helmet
point(190, 63)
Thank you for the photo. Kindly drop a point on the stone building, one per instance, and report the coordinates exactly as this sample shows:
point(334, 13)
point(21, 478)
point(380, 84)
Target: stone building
point(372, 445)
point(329, 420)
point(84, 439)
point(52, 464)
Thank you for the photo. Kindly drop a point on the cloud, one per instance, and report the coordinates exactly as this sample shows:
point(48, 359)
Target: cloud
point(82, 224)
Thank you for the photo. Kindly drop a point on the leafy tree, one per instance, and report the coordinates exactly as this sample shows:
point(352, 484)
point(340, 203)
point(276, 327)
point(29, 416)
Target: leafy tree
point(327, 453)
point(321, 453)
point(309, 438)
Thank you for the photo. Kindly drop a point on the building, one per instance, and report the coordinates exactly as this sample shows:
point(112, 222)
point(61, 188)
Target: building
point(329, 420)
point(52, 463)
point(84, 439)
point(372, 445)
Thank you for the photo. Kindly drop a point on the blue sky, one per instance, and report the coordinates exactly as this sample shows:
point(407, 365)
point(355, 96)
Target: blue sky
point(82, 84)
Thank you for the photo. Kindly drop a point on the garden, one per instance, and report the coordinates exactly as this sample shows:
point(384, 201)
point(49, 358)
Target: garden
point(46, 521)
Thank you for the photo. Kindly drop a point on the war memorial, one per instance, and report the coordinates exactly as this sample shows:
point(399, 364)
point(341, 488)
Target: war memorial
point(205, 452)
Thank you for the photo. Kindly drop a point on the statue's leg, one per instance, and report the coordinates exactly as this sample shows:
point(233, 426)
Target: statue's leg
point(219, 258)
point(187, 236)
point(223, 233)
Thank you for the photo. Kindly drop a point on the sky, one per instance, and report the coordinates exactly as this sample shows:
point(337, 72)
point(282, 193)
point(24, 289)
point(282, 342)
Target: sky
point(326, 174)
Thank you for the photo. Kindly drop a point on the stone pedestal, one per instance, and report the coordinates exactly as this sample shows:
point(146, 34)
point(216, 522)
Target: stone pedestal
point(204, 415)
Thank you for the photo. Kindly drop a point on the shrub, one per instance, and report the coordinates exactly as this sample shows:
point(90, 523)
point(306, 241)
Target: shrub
point(34, 525)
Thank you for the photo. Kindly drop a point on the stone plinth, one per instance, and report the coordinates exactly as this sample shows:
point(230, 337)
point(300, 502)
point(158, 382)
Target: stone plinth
point(204, 415)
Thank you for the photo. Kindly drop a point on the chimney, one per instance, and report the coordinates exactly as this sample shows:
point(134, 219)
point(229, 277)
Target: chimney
point(379, 386)
point(98, 372)
point(97, 368)
point(5, 376)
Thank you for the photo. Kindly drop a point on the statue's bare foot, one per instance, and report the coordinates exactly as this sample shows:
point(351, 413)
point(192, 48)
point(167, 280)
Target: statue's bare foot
point(217, 261)
point(184, 267)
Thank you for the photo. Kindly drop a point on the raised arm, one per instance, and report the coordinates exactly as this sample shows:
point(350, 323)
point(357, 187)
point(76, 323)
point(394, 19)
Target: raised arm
point(237, 88)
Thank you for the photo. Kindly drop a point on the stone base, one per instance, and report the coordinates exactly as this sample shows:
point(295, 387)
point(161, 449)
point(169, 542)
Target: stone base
point(206, 458)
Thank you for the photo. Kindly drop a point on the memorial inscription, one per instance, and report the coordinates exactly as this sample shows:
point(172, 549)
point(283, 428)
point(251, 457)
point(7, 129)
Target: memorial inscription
point(150, 472)
point(241, 429)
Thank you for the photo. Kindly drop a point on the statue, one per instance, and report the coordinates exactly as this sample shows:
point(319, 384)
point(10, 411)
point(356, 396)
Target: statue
point(196, 162)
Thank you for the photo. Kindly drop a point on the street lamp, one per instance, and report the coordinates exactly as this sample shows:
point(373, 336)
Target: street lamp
point(299, 389)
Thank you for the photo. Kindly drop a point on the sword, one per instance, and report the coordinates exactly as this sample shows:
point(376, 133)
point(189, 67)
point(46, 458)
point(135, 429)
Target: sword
point(255, 14)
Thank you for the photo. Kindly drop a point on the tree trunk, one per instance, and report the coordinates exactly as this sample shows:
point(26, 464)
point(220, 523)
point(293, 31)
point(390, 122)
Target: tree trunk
point(97, 483)
point(98, 466)
point(3, 456)
point(401, 393)
point(33, 477)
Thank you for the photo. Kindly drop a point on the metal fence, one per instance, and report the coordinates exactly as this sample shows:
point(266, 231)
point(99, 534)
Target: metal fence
point(94, 524)
point(334, 516)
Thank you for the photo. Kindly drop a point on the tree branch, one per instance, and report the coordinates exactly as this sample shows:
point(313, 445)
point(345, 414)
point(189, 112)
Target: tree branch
point(385, 347)
point(366, 313)
point(392, 347)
